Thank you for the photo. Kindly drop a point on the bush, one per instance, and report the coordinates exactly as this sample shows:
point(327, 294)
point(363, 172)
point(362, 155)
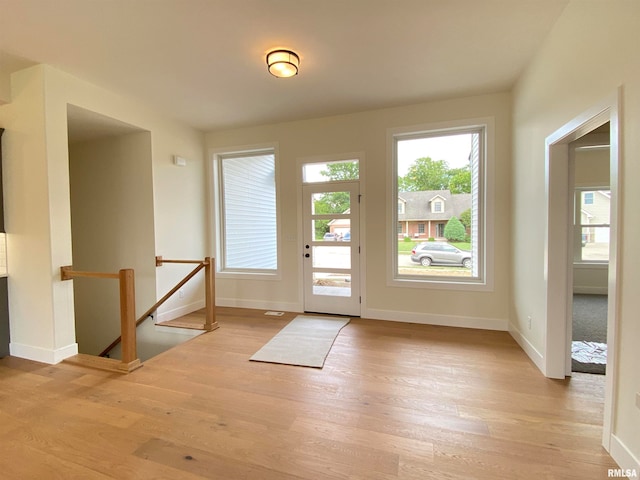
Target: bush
point(431, 239)
point(454, 231)
point(407, 239)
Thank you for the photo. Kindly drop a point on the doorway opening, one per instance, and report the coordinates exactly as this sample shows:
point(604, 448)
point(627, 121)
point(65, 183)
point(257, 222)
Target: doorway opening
point(590, 181)
point(559, 246)
point(112, 227)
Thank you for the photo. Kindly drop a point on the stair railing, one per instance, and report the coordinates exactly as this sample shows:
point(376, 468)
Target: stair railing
point(126, 277)
point(210, 316)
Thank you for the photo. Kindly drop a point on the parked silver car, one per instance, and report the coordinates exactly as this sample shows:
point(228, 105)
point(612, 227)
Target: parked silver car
point(440, 253)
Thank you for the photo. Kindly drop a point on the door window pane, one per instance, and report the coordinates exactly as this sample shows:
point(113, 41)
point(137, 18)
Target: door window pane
point(333, 284)
point(330, 171)
point(330, 202)
point(331, 257)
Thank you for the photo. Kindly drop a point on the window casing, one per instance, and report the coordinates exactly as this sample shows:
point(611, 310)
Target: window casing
point(247, 212)
point(411, 274)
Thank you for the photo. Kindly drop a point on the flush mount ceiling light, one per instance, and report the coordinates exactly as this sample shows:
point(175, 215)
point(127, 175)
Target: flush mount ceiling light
point(283, 63)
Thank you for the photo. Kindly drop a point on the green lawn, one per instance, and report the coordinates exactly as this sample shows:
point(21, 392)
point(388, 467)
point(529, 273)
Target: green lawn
point(406, 247)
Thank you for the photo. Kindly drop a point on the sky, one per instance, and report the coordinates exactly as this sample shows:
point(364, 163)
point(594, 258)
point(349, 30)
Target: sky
point(455, 149)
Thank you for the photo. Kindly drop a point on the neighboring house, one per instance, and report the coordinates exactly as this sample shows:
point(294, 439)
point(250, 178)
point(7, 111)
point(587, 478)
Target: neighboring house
point(340, 226)
point(424, 214)
point(594, 210)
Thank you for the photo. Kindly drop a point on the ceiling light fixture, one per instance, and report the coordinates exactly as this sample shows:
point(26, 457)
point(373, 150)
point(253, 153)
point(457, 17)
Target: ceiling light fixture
point(283, 63)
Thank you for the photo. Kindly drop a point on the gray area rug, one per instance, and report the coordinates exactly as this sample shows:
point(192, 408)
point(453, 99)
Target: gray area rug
point(589, 346)
point(305, 341)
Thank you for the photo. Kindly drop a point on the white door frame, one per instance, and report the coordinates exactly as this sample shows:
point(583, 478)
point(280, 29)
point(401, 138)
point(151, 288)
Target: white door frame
point(559, 262)
point(327, 302)
point(301, 161)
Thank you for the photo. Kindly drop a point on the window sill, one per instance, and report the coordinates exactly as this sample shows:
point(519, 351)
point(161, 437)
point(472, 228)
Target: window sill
point(446, 283)
point(591, 265)
point(249, 275)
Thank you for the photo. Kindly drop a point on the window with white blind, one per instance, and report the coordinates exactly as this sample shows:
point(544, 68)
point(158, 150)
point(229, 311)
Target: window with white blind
point(248, 212)
point(431, 169)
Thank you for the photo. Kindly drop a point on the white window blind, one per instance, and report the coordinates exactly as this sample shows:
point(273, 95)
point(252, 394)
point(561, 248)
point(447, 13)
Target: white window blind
point(475, 210)
point(249, 212)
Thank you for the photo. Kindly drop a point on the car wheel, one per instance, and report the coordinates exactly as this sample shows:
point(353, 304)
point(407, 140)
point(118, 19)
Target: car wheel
point(466, 263)
point(425, 261)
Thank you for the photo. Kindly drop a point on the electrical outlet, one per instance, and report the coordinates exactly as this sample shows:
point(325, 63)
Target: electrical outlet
point(529, 321)
point(181, 293)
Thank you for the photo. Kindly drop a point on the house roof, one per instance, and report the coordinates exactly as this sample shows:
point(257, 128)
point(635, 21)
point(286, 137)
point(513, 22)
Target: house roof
point(418, 205)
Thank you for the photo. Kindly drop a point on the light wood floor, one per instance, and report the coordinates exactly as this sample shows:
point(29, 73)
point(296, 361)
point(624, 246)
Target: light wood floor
point(393, 401)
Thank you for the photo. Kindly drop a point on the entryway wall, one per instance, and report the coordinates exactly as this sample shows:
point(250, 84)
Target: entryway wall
point(112, 226)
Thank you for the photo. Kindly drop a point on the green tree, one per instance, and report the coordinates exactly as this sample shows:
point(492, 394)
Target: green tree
point(425, 174)
point(454, 231)
point(459, 180)
point(465, 218)
point(341, 171)
point(334, 202)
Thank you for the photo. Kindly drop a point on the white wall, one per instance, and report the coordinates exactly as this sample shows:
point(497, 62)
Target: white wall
point(367, 133)
point(562, 82)
point(38, 203)
point(112, 227)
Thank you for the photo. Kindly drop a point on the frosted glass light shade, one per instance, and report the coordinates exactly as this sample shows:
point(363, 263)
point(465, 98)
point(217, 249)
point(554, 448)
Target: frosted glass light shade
point(283, 63)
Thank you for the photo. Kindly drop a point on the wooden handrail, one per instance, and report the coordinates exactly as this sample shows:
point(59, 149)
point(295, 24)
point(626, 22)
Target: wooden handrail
point(210, 322)
point(126, 277)
point(67, 273)
point(160, 261)
point(209, 265)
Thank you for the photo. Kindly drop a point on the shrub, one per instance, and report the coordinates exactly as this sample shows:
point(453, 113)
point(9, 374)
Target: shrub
point(407, 239)
point(454, 231)
point(431, 239)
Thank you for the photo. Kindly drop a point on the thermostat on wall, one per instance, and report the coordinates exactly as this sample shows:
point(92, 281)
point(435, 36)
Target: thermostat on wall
point(181, 162)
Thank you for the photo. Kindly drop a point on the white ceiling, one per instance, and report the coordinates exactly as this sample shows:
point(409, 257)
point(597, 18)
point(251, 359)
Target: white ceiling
point(203, 61)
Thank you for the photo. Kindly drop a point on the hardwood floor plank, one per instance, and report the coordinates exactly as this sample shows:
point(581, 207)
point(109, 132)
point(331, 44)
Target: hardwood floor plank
point(393, 401)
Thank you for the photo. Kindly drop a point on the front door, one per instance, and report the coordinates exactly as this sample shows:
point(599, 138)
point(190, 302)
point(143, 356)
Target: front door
point(331, 250)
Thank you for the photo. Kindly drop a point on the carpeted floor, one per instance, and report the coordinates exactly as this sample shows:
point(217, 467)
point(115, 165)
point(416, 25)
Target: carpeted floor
point(590, 329)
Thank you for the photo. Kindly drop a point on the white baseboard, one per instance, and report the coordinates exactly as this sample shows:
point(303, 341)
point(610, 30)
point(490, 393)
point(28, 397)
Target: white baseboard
point(623, 457)
point(179, 312)
point(590, 290)
point(43, 355)
point(259, 304)
point(532, 352)
point(442, 320)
